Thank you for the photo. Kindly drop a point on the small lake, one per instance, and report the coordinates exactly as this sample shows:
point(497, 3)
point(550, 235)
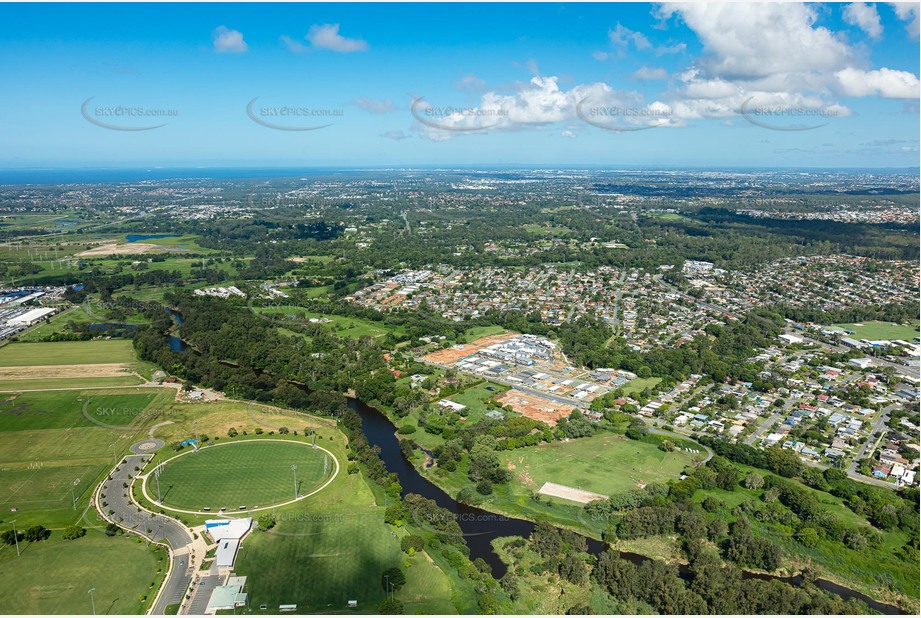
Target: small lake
point(143, 237)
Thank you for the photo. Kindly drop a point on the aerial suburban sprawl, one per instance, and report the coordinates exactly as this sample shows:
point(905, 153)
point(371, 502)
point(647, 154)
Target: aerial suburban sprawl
point(589, 390)
point(460, 308)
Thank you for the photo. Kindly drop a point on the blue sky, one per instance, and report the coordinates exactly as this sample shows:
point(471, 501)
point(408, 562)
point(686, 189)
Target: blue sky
point(828, 85)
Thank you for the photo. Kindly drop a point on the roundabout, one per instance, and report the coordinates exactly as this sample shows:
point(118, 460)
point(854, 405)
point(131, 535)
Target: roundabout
point(240, 477)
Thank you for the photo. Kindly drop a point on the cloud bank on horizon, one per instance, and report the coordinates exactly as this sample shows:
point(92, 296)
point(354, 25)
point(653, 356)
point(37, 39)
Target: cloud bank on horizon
point(401, 77)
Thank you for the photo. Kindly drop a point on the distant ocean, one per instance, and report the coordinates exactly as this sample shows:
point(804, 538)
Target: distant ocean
point(54, 176)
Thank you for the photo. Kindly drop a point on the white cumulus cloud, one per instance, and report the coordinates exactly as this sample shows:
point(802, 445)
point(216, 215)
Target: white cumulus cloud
point(744, 40)
point(227, 41)
point(864, 16)
point(908, 11)
point(887, 83)
point(327, 36)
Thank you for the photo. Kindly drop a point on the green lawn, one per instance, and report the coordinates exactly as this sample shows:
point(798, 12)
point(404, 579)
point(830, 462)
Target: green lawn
point(341, 325)
point(67, 353)
point(53, 576)
point(606, 463)
point(637, 385)
point(50, 453)
point(333, 547)
point(476, 332)
point(477, 398)
point(57, 324)
point(882, 330)
point(246, 473)
point(57, 410)
point(320, 559)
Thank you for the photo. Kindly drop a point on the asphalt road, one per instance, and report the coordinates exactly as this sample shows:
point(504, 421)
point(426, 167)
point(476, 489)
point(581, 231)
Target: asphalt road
point(161, 528)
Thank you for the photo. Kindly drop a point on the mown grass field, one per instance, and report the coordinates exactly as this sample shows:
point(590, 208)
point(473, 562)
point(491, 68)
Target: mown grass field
point(70, 364)
point(341, 325)
point(637, 385)
point(320, 559)
point(882, 330)
point(67, 353)
point(477, 399)
point(244, 473)
point(53, 576)
point(606, 463)
point(54, 449)
point(331, 547)
point(603, 464)
point(57, 324)
point(48, 447)
point(476, 332)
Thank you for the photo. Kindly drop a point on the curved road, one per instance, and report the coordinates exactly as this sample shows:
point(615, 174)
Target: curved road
point(161, 528)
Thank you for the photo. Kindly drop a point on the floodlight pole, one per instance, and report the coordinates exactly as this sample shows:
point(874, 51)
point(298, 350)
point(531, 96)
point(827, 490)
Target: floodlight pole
point(294, 469)
point(73, 498)
point(15, 537)
point(157, 471)
point(92, 600)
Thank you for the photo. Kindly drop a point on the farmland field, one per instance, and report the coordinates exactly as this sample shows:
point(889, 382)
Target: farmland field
point(67, 353)
point(246, 473)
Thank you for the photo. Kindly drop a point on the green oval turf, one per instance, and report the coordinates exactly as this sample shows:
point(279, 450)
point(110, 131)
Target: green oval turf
point(249, 473)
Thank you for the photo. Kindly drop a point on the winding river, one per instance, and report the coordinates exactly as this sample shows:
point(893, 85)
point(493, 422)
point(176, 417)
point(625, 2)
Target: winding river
point(480, 527)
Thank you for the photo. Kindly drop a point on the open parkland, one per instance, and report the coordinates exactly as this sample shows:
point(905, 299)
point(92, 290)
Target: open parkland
point(70, 435)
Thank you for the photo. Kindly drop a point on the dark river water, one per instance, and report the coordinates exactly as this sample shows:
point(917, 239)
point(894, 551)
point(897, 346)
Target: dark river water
point(480, 527)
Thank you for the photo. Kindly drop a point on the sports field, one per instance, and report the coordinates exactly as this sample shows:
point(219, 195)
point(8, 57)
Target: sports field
point(48, 445)
point(322, 553)
point(53, 576)
point(875, 331)
point(605, 464)
point(246, 473)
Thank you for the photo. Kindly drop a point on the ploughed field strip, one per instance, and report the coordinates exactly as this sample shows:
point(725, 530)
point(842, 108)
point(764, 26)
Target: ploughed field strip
point(42, 372)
